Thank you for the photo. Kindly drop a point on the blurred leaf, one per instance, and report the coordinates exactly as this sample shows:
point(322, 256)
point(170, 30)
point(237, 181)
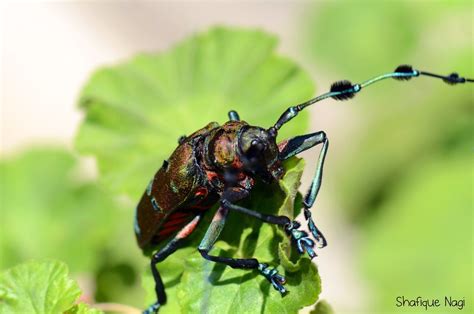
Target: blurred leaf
point(194, 284)
point(136, 111)
point(40, 287)
point(322, 307)
point(382, 173)
point(49, 212)
point(421, 245)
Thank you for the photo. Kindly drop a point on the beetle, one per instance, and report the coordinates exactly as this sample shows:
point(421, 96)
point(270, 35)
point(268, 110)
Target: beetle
point(220, 164)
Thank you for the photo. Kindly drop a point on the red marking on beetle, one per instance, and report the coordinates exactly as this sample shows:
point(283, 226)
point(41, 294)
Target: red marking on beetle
point(246, 182)
point(176, 215)
point(178, 219)
point(172, 222)
point(166, 232)
point(237, 163)
point(282, 145)
point(201, 192)
point(211, 175)
point(186, 231)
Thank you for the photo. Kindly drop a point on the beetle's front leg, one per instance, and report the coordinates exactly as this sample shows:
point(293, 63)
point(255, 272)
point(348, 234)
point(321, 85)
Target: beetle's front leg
point(295, 145)
point(299, 237)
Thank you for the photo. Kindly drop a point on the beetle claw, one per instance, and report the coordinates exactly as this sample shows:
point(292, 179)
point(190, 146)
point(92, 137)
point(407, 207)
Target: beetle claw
point(152, 309)
point(318, 236)
point(273, 276)
point(301, 238)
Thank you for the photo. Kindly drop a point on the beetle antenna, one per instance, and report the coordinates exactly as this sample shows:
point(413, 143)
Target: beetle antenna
point(344, 90)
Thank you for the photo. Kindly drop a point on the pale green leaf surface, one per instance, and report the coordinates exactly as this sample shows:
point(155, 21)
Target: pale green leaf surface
point(194, 284)
point(37, 287)
point(136, 111)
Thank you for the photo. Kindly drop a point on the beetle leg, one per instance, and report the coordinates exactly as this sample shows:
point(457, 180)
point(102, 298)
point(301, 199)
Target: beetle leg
point(233, 115)
point(294, 146)
point(159, 256)
point(276, 220)
point(211, 236)
point(300, 238)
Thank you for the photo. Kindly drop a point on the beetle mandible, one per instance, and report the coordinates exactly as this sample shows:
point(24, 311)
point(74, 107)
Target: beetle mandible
point(219, 164)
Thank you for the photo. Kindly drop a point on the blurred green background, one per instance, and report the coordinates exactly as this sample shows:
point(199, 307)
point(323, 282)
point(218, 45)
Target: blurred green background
point(404, 174)
point(397, 198)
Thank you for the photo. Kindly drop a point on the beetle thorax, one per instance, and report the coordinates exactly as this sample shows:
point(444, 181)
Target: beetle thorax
point(243, 149)
point(222, 147)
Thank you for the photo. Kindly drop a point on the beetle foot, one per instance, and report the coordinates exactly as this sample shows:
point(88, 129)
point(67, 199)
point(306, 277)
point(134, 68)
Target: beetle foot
point(301, 238)
point(272, 275)
point(318, 236)
point(152, 309)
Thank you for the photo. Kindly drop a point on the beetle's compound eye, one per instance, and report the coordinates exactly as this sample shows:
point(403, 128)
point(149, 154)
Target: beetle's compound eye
point(252, 143)
point(256, 147)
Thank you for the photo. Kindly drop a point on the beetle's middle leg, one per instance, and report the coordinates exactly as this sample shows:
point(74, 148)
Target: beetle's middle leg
point(160, 256)
point(299, 237)
point(296, 145)
point(211, 237)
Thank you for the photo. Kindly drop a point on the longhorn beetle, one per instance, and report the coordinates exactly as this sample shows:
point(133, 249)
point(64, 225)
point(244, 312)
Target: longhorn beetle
point(219, 164)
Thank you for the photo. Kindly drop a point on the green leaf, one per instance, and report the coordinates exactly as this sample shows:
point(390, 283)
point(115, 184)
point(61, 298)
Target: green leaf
point(45, 193)
point(194, 284)
point(322, 307)
point(82, 308)
point(49, 211)
point(136, 111)
point(37, 287)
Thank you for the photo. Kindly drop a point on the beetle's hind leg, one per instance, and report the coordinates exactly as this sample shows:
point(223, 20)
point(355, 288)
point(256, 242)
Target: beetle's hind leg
point(296, 145)
point(211, 237)
point(160, 256)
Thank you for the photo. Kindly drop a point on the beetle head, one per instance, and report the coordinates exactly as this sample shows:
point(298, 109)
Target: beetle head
point(259, 153)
